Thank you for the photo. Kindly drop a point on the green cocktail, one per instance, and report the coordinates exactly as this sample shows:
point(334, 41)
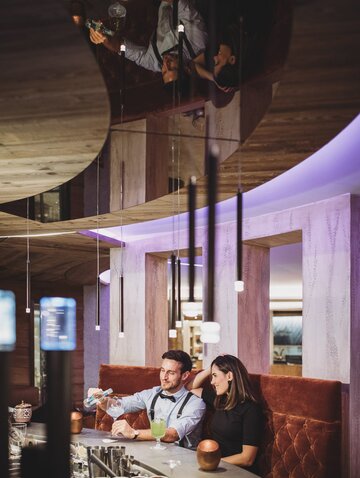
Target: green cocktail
point(158, 430)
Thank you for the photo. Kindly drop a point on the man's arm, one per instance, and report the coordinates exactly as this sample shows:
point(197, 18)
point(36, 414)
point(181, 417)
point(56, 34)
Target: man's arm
point(121, 427)
point(112, 44)
point(141, 55)
point(191, 417)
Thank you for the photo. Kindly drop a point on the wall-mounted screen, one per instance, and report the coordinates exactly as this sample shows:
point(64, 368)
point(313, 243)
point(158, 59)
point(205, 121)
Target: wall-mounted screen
point(7, 321)
point(58, 323)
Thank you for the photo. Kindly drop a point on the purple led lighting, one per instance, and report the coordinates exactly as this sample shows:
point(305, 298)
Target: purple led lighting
point(331, 171)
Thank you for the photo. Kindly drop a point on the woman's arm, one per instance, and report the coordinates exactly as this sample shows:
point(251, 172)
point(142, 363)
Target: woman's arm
point(197, 65)
point(245, 458)
point(195, 384)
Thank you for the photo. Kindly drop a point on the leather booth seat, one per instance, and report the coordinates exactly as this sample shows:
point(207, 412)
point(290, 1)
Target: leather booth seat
point(302, 436)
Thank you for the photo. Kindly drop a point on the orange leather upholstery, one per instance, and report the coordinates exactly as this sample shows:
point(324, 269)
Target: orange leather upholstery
point(302, 436)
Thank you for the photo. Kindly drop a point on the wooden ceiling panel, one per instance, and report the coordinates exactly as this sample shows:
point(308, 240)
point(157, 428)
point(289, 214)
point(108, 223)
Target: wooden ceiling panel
point(318, 95)
point(54, 108)
point(71, 258)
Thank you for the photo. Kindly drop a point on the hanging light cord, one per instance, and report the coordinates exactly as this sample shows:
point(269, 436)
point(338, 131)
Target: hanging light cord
point(97, 217)
point(97, 245)
point(121, 272)
point(27, 310)
point(239, 206)
point(241, 22)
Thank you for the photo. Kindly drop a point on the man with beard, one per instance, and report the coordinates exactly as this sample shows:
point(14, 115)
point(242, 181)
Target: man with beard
point(182, 410)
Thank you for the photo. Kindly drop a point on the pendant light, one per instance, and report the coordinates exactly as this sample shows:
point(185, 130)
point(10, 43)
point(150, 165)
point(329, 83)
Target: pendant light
point(239, 283)
point(172, 328)
point(121, 273)
point(175, 293)
point(210, 330)
point(28, 273)
point(97, 307)
point(190, 308)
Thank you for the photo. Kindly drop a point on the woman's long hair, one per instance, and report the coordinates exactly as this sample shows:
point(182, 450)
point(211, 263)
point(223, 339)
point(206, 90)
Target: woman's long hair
point(240, 389)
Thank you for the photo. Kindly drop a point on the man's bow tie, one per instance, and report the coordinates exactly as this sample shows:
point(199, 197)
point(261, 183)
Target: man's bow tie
point(169, 397)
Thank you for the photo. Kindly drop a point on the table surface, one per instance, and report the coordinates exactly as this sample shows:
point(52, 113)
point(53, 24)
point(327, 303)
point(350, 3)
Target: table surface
point(155, 459)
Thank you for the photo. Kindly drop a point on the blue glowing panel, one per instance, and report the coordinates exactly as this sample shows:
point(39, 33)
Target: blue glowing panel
point(58, 323)
point(7, 321)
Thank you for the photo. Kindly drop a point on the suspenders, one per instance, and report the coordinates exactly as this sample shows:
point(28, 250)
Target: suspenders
point(157, 53)
point(156, 50)
point(179, 413)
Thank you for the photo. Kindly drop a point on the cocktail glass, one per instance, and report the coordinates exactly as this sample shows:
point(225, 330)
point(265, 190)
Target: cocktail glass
point(172, 464)
point(112, 406)
point(158, 430)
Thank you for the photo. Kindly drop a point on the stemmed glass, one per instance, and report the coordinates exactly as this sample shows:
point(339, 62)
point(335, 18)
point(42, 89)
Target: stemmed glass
point(158, 430)
point(172, 465)
point(112, 406)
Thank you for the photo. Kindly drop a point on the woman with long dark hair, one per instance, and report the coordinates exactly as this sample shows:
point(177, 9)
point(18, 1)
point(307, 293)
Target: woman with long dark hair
point(237, 422)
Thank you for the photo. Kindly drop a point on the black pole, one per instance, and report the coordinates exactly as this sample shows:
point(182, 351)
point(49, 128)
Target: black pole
point(175, 13)
point(59, 409)
point(212, 170)
point(178, 263)
point(121, 298)
point(122, 77)
point(180, 60)
point(212, 39)
point(4, 425)
point(239, 216)
point(173, 291)
point(192, 207)
point(98, 289)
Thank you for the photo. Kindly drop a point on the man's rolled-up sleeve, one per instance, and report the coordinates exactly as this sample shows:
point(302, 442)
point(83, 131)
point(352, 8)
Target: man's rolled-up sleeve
point(134, 403)
point(141, 55)
point(191, 417)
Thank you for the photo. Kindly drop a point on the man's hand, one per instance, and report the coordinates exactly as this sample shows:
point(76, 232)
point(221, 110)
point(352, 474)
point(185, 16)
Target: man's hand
point(121, 427)
point(112, 44)
point(92, 391)
point(97, 37)
point(225, 89)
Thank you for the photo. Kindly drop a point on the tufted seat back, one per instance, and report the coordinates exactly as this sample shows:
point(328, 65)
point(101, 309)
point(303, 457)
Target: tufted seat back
point(125, 380)
point(302, 435)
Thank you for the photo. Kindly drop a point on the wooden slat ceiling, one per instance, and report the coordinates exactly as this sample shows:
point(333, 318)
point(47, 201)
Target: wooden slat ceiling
point(54, 109)
point(318, 95)
point(71, 258)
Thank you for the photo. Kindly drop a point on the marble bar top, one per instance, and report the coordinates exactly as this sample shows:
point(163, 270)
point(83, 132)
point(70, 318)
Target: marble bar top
point(142, 452)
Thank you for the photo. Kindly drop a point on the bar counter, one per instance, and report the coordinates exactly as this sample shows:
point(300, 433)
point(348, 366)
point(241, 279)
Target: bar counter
point(142, 452)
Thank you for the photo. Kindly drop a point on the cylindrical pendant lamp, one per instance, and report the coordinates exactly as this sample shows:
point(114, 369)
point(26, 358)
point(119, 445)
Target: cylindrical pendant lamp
point(192, 207)
point(121, 307)
point(172, 328)
point(239, 283)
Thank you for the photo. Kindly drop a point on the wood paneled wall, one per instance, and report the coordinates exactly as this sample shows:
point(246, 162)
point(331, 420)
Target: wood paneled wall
point(21, 372)
point(156, 309)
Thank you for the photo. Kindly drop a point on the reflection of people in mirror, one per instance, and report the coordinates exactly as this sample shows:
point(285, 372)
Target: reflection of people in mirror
point(222, 68)
point(161, 53)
